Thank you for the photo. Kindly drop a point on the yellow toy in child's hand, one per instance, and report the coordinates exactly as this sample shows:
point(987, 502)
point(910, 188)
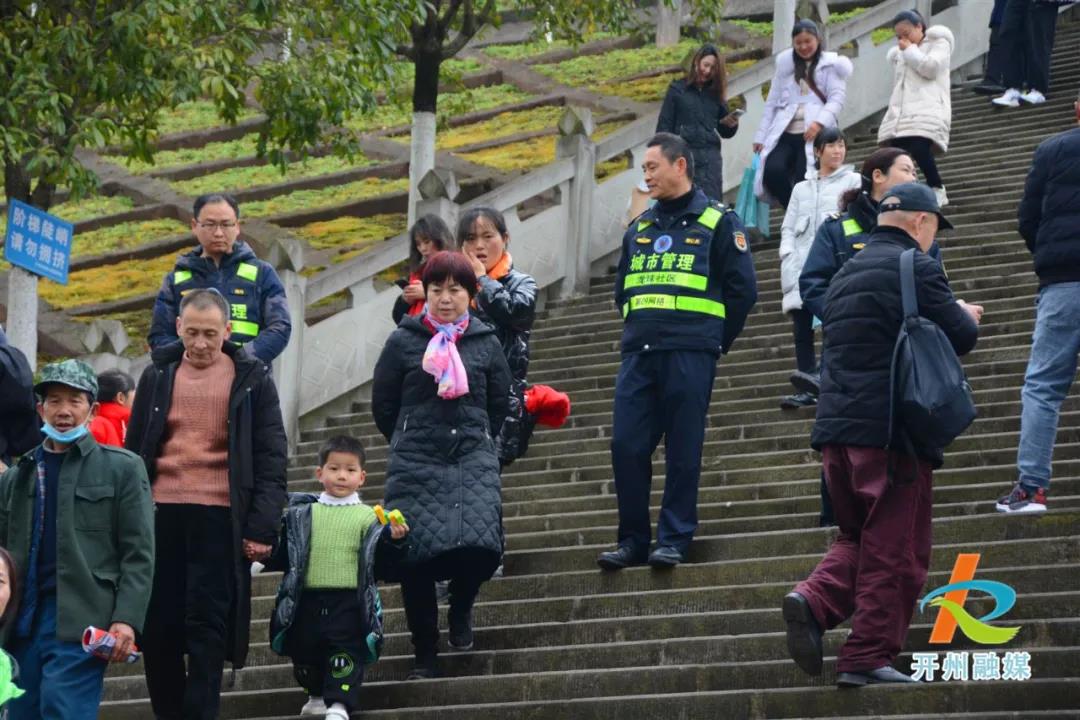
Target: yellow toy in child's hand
point(394, 517)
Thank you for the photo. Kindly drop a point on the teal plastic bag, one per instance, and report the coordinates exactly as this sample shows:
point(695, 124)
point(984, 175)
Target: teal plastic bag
point(752, 212)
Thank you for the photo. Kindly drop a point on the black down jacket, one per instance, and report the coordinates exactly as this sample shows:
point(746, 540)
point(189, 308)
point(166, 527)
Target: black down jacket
point(291, 556)
point(257, 461)
point(509, 305)
point(443, 470)
point(863, 313)
point(1050, 210)
point(694, 114)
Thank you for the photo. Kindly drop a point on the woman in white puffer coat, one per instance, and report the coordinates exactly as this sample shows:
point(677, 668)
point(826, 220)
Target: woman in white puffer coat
point(812, 201)
point(920, 109)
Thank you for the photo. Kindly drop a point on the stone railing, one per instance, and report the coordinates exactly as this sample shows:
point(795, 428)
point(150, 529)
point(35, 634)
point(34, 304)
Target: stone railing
point(580, 221)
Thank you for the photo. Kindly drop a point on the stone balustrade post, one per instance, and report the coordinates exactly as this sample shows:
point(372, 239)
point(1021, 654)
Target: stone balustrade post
point(438, 189)
point(783, 22)
point(574, 143)
point(286, 255)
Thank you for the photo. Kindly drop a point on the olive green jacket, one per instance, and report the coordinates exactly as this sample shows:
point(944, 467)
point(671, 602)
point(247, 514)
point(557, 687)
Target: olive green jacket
point(105, 535)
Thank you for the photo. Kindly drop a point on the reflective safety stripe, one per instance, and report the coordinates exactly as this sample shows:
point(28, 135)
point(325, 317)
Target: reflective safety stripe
point(245, 327)
point(852, 227)
point(247, 271)
point(674, 302)
point(643, 224)
point(181, 276)
point(710, 217)
point(686, 280)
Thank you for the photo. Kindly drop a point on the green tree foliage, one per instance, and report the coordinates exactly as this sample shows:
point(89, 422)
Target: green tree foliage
point(89, 73)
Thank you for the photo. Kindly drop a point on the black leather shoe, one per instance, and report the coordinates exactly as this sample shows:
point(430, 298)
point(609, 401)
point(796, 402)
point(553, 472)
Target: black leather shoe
point(665, 556)
point(987, 87)
point(621, 557)
point(425, 669)
point(806, 382)
point(803, 634)
point(885, 674)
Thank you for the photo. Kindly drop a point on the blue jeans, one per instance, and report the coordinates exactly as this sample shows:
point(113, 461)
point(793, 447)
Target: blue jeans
point(1050, 372)
point(62, 682)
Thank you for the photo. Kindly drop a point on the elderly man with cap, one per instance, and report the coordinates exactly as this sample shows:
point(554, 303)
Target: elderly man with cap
point(874, 571)
point(79, 523)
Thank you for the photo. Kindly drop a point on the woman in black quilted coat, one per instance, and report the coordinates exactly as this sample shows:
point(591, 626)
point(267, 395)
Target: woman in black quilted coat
point(506, 300)
point(443, 470)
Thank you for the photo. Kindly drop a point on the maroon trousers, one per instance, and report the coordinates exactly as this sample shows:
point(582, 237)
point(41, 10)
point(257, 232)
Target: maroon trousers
point(876, 568)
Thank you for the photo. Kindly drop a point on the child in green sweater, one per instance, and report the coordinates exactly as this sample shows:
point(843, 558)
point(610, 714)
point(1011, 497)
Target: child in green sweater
point(328, 616)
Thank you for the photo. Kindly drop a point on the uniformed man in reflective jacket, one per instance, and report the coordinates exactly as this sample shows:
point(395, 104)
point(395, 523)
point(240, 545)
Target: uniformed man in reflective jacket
point(685, 285)
point(258, 309)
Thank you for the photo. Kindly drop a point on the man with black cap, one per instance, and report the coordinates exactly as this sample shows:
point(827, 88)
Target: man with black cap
point(79, 523)
point(875, 570)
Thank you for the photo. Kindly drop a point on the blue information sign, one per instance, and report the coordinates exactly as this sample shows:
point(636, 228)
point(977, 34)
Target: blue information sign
point(38, 241)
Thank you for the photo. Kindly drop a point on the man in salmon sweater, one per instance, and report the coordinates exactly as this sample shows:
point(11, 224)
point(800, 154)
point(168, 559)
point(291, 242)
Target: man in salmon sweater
point(207, 423)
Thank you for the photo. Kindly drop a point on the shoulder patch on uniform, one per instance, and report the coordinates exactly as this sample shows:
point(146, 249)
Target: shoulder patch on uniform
point(740, 241)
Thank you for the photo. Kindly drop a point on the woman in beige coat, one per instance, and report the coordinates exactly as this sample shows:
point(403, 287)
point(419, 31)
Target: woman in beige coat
point(920, 108)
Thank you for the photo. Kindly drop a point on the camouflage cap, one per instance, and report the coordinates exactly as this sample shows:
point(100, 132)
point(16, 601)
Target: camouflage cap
point(73, 373)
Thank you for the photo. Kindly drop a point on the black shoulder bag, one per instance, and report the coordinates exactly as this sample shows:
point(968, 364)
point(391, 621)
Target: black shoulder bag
point(930, 397)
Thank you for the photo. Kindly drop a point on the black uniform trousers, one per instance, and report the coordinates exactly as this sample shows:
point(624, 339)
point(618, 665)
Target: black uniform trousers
point(1027, 40)
point(660, 393)
point(466, 568)
point(190, 604)
point(326, 644)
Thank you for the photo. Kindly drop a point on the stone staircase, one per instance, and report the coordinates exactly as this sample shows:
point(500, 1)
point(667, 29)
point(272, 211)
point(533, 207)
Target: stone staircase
point(556, 638)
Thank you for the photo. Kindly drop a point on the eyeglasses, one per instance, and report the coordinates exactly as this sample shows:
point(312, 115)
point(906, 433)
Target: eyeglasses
point(212, 226)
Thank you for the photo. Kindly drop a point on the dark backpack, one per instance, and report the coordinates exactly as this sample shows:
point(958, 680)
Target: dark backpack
point(930, 396)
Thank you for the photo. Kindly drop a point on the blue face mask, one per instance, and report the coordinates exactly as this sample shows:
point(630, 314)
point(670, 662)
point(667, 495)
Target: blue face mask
point(69, 437)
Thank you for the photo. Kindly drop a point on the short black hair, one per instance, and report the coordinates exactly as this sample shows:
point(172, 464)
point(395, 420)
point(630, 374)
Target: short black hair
point(214, 198)
point(342, 444)
point(827, 136)
point(446, 265)
point(113, 382)
point(909, 16)
point(470, 216)
point(673, 147)
point(204, 299)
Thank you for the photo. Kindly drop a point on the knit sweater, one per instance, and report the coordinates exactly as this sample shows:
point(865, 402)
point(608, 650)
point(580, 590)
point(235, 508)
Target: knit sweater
point(193, 467)
point(337, 532)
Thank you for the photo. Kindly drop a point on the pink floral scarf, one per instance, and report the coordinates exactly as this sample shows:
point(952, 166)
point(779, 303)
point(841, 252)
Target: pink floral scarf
point(442, 359)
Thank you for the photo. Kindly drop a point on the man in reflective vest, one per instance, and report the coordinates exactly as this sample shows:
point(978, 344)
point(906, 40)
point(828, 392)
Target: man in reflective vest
point(684, 286)
point(258, 309)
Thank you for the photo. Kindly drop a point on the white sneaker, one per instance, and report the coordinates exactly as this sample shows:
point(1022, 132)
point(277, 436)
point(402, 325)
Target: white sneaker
point(314, 706)
point(337, 711)
point(1011, 98)
point(1033, 97)
point(942, 198)
point(256, 568)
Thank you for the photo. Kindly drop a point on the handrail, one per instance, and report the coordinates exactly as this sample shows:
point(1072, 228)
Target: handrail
point(585, 223)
